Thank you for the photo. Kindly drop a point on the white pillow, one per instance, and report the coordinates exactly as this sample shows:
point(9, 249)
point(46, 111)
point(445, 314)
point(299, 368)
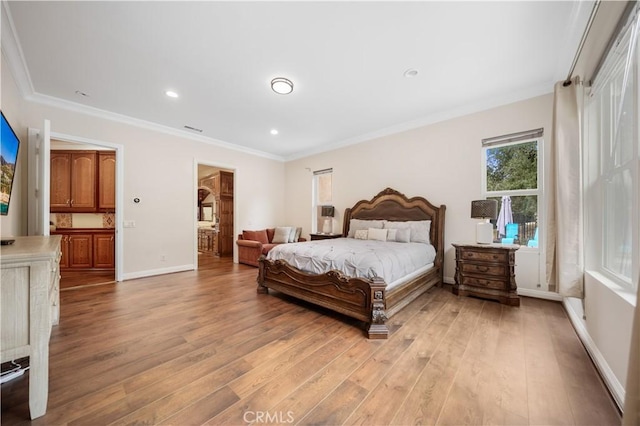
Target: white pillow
point(403, 235)
point(377, 234)
point(292, 235)
point(391, 234)
point(281, 235)
point(298, 233)
point(399, 235)
point(356, 224)
point(361, 234)
point(420, 229)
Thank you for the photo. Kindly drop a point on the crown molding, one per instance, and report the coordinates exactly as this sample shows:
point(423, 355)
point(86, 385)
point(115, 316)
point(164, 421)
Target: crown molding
point(483, 105)
point(125, 119)
point(13, 52)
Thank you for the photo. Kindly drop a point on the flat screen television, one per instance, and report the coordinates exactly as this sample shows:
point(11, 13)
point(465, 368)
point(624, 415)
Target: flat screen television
point(9, 145)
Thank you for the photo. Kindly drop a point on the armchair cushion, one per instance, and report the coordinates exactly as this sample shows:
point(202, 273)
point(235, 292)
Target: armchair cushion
point(260, 236)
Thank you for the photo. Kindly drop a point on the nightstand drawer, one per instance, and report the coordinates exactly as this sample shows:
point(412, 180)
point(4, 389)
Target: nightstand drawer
point(484, 269)
point(483, 282)
point(485, 256)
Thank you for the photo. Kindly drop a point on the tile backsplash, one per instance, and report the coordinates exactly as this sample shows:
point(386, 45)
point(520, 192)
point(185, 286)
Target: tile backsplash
point(63, 220)
point(83, 220)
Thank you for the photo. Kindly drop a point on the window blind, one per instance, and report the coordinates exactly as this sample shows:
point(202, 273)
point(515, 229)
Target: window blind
point(513, 137)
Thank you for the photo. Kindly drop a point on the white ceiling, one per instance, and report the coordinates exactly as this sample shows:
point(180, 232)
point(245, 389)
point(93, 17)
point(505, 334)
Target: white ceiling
point(346, 60)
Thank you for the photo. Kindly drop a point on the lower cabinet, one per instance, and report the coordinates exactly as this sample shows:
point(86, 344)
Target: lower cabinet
point(104, 251)
point(208, 240)
point(81, 251)
point(87, 248)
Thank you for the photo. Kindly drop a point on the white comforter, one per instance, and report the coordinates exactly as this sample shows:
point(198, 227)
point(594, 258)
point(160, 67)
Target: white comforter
point(356, 258)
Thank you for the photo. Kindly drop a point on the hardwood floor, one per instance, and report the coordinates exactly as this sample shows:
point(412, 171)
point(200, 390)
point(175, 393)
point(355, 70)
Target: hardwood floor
point(73, 279)
point(202, 347)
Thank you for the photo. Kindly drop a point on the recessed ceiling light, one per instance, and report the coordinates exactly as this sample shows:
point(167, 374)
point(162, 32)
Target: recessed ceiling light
point(274, 132)
point(411, 72)
point(171, 94)
point(282, 85)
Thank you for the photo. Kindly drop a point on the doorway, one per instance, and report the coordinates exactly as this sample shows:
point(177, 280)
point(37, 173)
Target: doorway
point(214, 214)
point(83, 193)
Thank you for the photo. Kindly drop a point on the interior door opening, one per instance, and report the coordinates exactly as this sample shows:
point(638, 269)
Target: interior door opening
point(82, 208)
point(214, 215)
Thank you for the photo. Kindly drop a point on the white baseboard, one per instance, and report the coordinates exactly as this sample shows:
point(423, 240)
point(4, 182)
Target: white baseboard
point(539, 294)
point(449, 280)
point(161, 271)
point(610, 380)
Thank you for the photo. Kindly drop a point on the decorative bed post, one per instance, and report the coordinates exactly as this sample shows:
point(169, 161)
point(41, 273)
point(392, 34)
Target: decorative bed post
point(378, 326)
point(262, 289)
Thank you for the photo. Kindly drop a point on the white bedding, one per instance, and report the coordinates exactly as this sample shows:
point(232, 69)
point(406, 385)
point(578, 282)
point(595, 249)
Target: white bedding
point(357, 258)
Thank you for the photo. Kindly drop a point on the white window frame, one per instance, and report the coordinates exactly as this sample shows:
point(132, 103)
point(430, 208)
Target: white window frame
point(596, 174)
point(539, 192)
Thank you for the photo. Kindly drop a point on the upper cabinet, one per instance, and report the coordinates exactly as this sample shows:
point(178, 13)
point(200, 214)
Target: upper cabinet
point(106, 181)
point(226, 184)
point(82, 181)
point(73, 181)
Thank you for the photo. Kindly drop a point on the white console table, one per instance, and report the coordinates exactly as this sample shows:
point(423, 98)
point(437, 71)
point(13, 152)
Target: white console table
point(30, 297)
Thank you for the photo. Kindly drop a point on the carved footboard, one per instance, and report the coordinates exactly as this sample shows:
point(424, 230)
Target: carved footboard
point(359, 298)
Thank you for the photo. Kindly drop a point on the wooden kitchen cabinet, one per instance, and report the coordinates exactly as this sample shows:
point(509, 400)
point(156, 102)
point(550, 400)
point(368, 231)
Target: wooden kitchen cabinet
point(225, 226)
point(86, 249)
point(60, 184)
point(83, 181)
point(226, 184)
point(73, 181)
point(106, 181)
point(104, 251)
point(80, 251)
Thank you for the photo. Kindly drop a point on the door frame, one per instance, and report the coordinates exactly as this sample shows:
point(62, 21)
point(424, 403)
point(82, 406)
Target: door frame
point(119, 149)
point(194, 203)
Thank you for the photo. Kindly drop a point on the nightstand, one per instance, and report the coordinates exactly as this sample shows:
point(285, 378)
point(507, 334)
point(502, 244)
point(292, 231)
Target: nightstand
point(487, 271)
point(324, 236)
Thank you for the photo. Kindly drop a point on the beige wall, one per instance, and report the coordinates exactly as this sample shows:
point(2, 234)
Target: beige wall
point(158, 169)
point(440, 162)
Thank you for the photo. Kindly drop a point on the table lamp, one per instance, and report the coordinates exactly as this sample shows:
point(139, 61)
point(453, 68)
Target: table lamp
point(484, 209)
point(327, 213)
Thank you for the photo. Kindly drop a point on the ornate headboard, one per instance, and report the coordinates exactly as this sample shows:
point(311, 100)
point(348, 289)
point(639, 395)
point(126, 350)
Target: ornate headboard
point(390, 204)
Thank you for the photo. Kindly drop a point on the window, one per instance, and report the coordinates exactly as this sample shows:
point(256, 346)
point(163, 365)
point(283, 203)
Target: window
point(612, 162)
point(511, 176)
point(322, 196)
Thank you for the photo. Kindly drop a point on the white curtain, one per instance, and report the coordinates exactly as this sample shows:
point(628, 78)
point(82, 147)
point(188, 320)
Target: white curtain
point(631, 415)
point(565, 266)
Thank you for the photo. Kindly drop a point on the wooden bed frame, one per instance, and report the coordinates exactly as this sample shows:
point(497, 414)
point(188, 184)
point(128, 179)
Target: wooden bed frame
point(361, 298)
